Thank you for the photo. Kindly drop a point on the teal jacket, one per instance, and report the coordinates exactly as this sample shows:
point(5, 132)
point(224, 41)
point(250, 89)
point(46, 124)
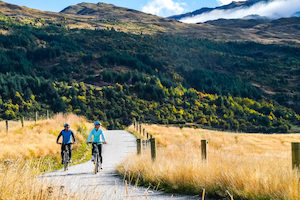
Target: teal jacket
point(98, 136)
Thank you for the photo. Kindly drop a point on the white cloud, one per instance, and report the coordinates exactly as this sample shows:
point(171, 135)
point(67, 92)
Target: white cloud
point(225, 2)
point(164, 7)
point(274, 9)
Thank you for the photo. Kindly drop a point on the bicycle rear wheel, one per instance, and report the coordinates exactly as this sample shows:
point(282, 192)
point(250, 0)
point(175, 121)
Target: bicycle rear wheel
point(99, 164)
point(66, 160)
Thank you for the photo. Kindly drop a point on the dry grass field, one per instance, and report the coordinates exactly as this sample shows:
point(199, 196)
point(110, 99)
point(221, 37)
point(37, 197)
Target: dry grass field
point(38, 139)
point(18, 181)
point(25, 152)
point(248, 166)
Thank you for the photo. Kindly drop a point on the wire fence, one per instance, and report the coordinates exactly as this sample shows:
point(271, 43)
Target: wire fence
point(34, 117)
point(146, 140)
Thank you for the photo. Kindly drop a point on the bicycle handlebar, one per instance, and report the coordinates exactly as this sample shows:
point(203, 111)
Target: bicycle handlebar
point(96, 142)
point(68, 143)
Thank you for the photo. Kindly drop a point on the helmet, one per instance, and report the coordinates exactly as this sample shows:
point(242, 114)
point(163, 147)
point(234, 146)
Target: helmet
point(97, 123)
point(66, 124)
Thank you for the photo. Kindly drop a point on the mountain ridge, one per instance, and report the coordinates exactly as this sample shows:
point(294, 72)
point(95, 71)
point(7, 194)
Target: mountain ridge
point(135, 22)
point(108, 12)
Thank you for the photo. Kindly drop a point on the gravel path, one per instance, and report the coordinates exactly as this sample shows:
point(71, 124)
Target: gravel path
point(106, 185)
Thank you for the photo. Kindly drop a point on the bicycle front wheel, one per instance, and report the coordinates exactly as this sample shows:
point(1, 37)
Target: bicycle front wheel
point(96, 164)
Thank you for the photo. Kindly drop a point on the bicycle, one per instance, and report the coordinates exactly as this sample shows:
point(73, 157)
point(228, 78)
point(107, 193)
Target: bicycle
point(97, 160)
point(66, 159)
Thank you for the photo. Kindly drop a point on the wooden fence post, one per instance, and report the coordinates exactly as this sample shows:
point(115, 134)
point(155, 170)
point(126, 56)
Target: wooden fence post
point(139, 146)
point(6, 122)
point(22, 121)
point(296, 155)
point(204, 149)
point(144, 131)
point(47, 114)
point(153, 148)
point(36, 116)
point(140, 131)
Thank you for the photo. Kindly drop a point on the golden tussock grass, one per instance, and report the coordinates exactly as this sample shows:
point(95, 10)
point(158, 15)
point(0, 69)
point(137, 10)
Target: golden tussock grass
point(250, 166)
point(18, 181)
point(38, 139)
point(18, 178)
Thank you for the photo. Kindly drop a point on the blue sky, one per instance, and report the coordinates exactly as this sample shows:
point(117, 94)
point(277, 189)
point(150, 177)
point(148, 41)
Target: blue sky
point(158, 7)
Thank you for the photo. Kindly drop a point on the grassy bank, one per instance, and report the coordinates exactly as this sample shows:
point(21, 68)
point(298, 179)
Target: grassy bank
point(27, 152)
point(37, 140)
point(249, 166)
point(18, 181)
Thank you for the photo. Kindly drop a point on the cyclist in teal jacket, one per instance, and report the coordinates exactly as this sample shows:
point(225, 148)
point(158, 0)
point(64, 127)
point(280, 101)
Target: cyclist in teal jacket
point(98, 138)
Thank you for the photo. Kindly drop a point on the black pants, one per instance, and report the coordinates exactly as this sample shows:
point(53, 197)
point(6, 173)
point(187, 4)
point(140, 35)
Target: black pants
point(69, 146)
point(99, 146)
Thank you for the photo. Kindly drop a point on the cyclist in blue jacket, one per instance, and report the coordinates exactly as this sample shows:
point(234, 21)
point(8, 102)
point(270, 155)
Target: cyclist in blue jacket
point(98, 138)
point(66, 134)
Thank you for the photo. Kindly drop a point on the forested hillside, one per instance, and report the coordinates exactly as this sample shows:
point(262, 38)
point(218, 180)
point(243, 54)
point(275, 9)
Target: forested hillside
point(147, 77)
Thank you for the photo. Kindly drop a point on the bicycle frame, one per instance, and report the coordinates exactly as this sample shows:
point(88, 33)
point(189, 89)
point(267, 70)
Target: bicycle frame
point(66, 158)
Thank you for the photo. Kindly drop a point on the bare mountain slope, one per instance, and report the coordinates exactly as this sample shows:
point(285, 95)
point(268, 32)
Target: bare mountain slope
point(107, 16)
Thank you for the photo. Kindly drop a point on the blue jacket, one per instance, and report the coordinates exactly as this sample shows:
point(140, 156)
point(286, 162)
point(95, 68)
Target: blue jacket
point(66, 136)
